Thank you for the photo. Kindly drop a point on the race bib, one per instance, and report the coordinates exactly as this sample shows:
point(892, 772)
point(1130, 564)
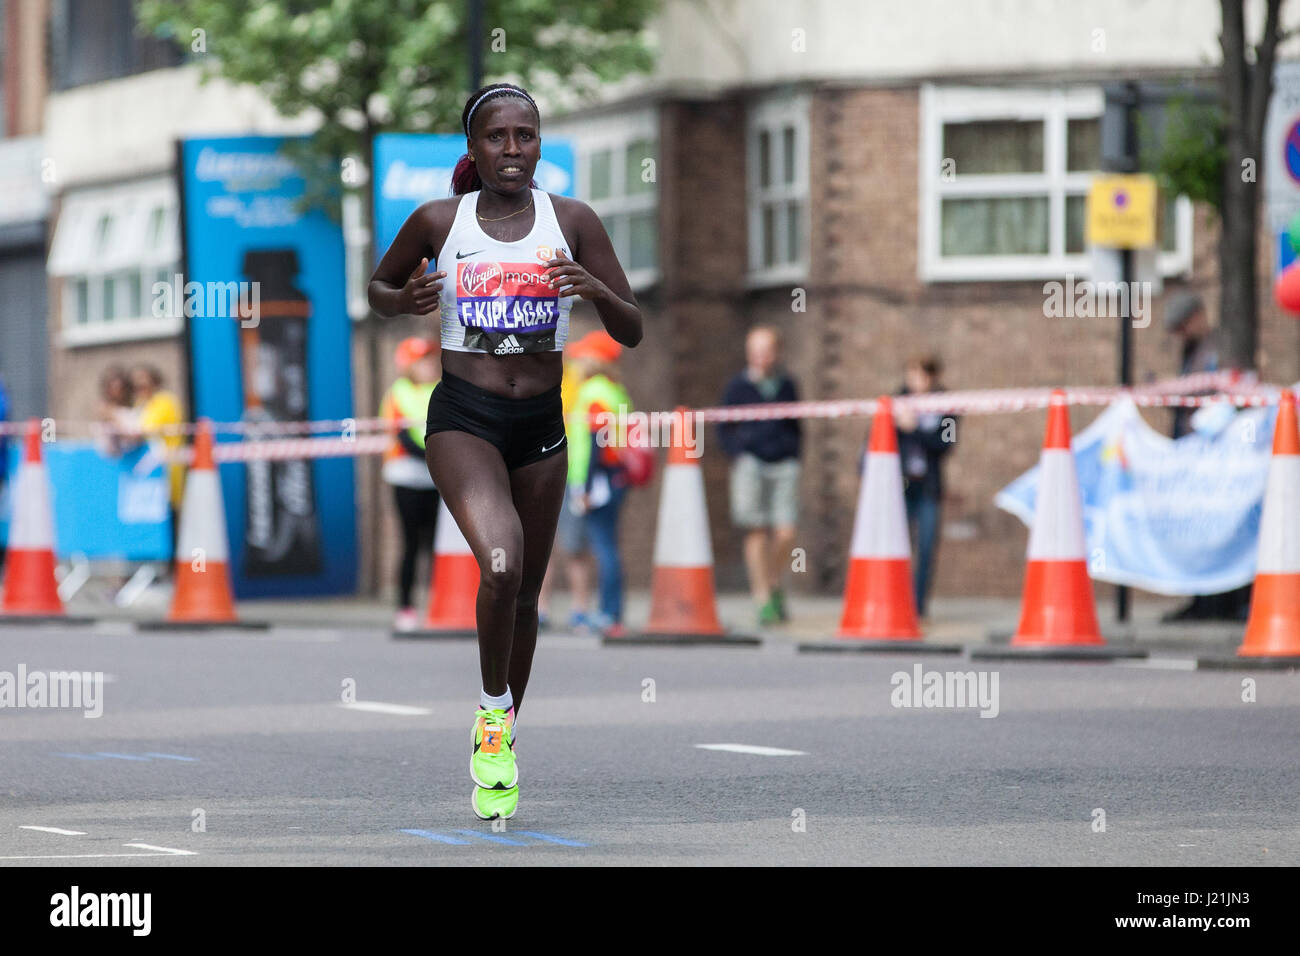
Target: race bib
point(506, 307)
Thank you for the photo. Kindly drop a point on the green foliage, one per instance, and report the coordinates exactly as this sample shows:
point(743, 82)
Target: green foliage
point(371, 66)
point(1189, 158)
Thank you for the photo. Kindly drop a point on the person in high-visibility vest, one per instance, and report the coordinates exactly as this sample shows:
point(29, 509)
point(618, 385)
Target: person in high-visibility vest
point(571, 551)
point(596, 482)
point(404, 468)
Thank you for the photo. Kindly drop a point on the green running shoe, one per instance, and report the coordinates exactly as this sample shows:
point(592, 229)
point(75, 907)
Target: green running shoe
point(490, 804)
point(492, 764)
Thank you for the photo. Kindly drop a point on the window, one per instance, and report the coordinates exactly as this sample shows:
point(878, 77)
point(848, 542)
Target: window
point(777, 189)
point(110, 248)
point(1004, 180)
point(96, 40)
point(616, 166)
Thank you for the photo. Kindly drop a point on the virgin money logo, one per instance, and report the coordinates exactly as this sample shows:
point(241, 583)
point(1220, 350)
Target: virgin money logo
point(481, 278)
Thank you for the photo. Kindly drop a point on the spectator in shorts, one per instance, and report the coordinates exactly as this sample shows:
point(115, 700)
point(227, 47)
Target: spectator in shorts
point(764, 471)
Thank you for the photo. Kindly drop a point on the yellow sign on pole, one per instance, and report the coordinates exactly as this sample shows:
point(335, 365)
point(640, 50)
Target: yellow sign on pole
point(1122, 212)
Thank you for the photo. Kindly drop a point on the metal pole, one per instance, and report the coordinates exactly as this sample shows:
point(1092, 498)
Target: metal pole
point(1132, 98)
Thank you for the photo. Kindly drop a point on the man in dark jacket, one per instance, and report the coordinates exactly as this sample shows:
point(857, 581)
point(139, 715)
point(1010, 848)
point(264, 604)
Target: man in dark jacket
point(764, 471)
point(923, 441)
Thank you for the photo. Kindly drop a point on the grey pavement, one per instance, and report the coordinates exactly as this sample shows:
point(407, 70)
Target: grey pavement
point(249, 733)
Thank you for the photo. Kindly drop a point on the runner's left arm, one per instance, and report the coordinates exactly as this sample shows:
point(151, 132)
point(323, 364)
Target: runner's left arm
point(599, 278)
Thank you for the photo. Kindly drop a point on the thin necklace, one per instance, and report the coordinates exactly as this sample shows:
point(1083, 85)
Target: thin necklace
point(499, 218)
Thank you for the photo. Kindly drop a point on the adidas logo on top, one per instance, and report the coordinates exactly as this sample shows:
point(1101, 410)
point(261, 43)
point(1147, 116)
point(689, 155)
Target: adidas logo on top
point(508, 346)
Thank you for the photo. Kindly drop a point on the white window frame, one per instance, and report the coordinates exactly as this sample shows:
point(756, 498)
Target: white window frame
point(615, 133)
point(774, 114)
point(73, 258)
point(1054, 106)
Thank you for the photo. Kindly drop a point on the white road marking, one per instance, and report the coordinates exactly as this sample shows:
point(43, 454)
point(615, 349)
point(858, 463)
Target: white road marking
point(377, 707)
point(752, 749)
point(83, 856)
point(161, 849)
point(55, 830)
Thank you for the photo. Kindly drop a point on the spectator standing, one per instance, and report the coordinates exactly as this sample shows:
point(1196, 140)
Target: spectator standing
point(597, 486)
point(404, 467)
point(764, 480)
point(4, 462)
point(1186, 319)
point(923, 442)
point(158, 415)
point(572, 552)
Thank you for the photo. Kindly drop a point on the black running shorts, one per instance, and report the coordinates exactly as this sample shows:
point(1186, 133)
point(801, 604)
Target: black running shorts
point(524, 430)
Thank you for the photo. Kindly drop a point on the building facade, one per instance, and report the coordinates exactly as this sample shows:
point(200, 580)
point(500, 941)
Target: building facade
point(877, 182)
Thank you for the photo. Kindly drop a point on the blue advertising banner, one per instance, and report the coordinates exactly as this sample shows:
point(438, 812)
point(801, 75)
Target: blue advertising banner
point(104, 507)
point(412, 168)
point(1170, 516)
point(270, 341)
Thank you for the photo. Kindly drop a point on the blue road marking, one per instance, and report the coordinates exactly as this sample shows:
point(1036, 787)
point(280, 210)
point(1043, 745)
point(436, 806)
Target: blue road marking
point(79, 756)
point(493, 837)
point(438, 837)
point(549, 839)
point(173, 757)
point(104, 753)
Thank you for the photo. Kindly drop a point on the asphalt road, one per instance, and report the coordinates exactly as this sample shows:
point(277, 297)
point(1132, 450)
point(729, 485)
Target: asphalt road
point(247, 734)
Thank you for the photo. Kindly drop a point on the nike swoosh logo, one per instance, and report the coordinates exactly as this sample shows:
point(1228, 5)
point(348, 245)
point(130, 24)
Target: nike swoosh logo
point(556, 445)
point(462, 255)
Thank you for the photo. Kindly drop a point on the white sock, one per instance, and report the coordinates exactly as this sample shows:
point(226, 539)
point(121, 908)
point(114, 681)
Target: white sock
point(488, 702)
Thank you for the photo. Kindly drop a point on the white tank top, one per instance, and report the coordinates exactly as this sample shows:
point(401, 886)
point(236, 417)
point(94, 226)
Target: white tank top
point(495, 298)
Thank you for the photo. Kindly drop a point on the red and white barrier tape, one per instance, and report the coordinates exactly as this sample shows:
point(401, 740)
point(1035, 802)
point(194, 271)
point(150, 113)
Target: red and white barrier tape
point(1213, 387)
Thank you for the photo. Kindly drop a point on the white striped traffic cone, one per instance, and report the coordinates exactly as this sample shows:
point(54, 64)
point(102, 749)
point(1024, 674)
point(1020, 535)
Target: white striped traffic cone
point(30, 587)
point(1058, 608)
point(453, 583)
point(683, 599)
point(203, 594)
point(878, 599)
point(1273, 629)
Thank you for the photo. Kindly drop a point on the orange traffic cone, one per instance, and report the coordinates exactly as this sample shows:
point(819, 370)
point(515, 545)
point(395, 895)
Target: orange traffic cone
point(683, 600)
point(203, 596)
point(878, 601)
point(879, 606)
point(31, 590)
point(1273, 629)
point(453, 584)
point(1058, 618)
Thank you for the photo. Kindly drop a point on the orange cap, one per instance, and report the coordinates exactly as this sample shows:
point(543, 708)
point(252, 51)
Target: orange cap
point(409, 351)
point(598, 345)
